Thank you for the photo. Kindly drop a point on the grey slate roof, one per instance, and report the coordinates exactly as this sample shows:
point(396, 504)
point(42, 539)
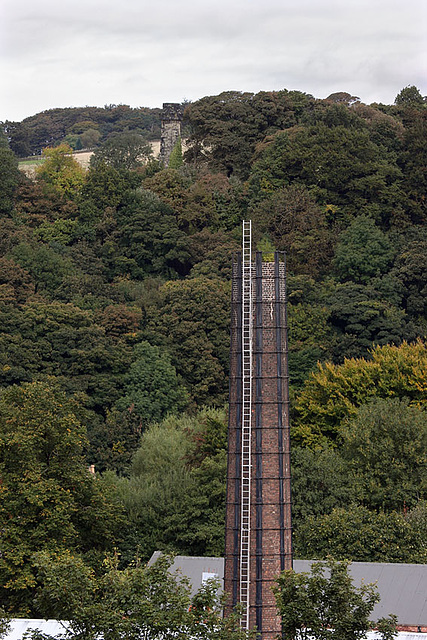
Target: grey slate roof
point(402, 587)
point(196, 568)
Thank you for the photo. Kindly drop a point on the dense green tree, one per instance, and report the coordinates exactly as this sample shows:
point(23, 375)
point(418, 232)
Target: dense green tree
point(142, 601)
point(151, 386)
point(49, 500)
point(338, 162)
point(409, 96)
point(89, 290)
point(309, 337)
point(361, 318)
point(157, 456)
point(192, 204)
point(148, 239)
point(211, 253)
point(73, 141)
point(209, 437)
point(200, 210)
point(339, 495)
point(197, 526)
point(191, 319)
point(46, 266)
point(230, 198)
point(123, 151)
point(113, 441)
point(103, 191)
point(156, 489)
point(226, 128)
point(175, 495)
point(320, 482)
point(223, 127)
point(413, 162)
point(385, 447)
point(90, 138)
point(19, 138)
point(385, 129)
point(325, 604)
point(417, 520)
point(361, 535)
point(363, 252)
point(200, 200)
point(11, 233)
point(57, 233)
point(42, 339)
point(410, 270)
point(342, 97)
point(297, 225)
point(172, 187)
point(120, 320)
point(9, 177)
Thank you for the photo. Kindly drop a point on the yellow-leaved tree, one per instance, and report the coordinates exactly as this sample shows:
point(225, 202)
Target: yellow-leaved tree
point(333, 393)
point(61, 172)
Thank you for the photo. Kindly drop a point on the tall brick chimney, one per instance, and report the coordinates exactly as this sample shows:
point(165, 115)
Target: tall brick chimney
point(258, 542)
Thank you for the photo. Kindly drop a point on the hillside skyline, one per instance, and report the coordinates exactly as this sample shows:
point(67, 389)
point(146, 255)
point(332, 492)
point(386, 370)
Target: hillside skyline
point(142, 55)
point(360, 99)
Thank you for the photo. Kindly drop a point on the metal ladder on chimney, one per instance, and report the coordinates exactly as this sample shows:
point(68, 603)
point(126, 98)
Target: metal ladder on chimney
point(245, 512)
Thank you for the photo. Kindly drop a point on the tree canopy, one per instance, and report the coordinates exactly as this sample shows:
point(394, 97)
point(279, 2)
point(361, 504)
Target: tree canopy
point(114, 324)
point(325, 604)
point(143, 601)
point(50, 501)
point(333, 393)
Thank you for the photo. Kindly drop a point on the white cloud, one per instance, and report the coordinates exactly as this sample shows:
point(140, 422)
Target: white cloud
point(137, 52)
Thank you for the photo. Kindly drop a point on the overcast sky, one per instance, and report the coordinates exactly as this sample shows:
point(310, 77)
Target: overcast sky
point(70, 53)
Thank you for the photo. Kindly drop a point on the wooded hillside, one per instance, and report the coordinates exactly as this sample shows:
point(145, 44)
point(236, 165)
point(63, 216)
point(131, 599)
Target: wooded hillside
point(114, 327)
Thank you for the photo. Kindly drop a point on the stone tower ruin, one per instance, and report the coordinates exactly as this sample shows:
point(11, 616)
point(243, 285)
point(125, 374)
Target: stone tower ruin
point(170, 130)
point(258, 542)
